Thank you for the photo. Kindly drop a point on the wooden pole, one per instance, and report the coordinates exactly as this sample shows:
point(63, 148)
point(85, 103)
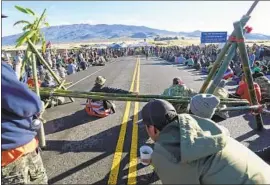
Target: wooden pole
point(247, 71)
point(224, 50)
point(252, 7)
point(215, 67)
point(59, 87)
point(222, 69)
point(34, 49)
point(40, 133)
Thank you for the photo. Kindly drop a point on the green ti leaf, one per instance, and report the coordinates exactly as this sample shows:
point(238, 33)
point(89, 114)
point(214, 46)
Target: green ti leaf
point(30, 11)
point(21, 9)
point(27, 35)
point(27, 27)
point(21, 22)
point(25, 10)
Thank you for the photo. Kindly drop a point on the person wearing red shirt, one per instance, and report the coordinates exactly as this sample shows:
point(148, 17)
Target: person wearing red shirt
point(242, 90)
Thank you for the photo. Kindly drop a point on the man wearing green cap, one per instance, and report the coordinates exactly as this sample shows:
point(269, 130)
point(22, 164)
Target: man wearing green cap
point(192, 149)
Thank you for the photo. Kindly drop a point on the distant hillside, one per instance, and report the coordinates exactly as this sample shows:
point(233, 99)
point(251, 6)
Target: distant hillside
point(84, 32)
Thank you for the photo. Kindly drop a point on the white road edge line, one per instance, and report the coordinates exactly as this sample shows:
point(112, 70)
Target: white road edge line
point(90, 75)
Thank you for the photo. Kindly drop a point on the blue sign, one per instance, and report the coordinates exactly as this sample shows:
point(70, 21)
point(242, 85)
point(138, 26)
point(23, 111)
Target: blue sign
point(213, 37)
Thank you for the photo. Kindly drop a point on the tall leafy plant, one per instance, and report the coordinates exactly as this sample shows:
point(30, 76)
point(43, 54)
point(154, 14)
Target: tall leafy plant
point(31, 31)
point(33, 35)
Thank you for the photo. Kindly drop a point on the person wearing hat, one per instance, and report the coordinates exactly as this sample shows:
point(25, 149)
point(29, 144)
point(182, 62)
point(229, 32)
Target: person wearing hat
point(192, 149)
point(103, 108)
point(178, 88)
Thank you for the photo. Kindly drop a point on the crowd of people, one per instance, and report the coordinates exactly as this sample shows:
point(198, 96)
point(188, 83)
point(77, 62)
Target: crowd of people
point(62, 63)
point(190, 148)
point(203, 58)
point(200, 150)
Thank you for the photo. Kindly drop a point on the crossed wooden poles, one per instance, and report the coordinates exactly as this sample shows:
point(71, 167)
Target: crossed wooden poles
point(220, 66)
point(222, 62)
point(41, 132)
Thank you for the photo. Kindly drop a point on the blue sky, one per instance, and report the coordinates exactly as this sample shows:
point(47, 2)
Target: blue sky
point(169, 15)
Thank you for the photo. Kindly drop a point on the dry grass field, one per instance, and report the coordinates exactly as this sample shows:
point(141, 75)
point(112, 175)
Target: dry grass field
point(186, 42)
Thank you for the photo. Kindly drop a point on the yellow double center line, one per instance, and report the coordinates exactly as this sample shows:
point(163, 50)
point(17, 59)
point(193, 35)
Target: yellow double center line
point(120, 143)
point(132, 172)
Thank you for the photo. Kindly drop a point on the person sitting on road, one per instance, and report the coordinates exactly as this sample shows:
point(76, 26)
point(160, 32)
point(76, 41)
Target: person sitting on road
point(61, 71)
point(83, 64)
point(228, 73)
point(181, 59)
point(71, 69)
point(190, 62)
point(193, 149)
point(264, 84)
point(264, 69)
point(102, 108)
point(256, 67)
point(242, 90)
point(178, 88)
point(48, 81)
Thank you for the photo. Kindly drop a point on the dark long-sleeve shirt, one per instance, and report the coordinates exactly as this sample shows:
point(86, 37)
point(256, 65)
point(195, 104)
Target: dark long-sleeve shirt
point(99, 88)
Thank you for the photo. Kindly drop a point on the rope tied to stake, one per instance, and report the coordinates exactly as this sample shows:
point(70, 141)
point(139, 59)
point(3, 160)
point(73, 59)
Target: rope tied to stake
point(234, 39)
point(258, 110)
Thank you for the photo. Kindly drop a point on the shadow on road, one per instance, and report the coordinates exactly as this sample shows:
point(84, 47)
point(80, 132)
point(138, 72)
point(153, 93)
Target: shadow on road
point(200, 79)
point(258, 143)
point(160, 63)
point(77, 168)
point(262, 136)
point(142, 179)
point(68, 122)
point(100, 142)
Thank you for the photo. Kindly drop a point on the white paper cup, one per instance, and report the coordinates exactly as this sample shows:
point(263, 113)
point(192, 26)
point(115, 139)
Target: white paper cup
point(145, 153)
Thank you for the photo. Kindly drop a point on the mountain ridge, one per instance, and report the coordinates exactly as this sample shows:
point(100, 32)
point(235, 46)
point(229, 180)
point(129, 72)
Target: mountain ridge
point(84, 32)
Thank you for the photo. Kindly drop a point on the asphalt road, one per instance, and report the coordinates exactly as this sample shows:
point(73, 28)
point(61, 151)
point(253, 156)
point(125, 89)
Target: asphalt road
point(85, 150)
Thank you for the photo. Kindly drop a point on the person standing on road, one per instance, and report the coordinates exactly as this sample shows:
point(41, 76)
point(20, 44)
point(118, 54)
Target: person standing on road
point(21, 160)
point(146, 53)
point(18, 64)
point(192, 149)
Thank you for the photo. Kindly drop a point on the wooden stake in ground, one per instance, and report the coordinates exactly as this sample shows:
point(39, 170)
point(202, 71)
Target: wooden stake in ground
point(245, 61)
point(41, 133)
point(222, 69)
